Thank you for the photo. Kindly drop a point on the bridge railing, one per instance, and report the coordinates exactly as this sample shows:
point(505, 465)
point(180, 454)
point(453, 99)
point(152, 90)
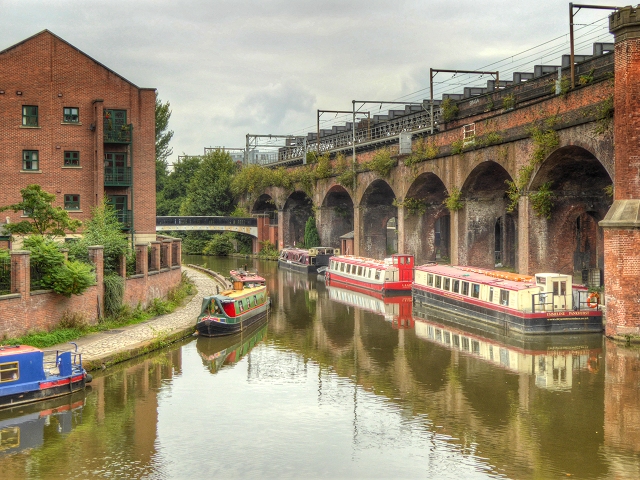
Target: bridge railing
point(206, 221)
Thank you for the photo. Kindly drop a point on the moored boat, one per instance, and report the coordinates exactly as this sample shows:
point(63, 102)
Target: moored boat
point(233, 310)
point(391, 275)
point(539, 304)
point(28, 375)
point(306, 261)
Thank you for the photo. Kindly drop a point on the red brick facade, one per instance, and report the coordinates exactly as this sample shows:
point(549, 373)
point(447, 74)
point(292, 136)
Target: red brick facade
point(72, 134)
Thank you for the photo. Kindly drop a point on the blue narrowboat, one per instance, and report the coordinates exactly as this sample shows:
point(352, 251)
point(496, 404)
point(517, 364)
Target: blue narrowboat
point(27, 375)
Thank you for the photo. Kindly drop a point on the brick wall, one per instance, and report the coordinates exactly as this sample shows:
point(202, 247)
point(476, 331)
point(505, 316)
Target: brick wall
point(24, 310)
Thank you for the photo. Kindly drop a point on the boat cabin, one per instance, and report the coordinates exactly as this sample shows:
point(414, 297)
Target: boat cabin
point(397, 268)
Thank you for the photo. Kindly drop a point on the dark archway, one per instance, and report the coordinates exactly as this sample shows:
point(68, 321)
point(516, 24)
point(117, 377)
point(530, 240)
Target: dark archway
point(297, 210)
point(335, 217)
point(570, 241)
point(376, 209)
point(426, 220)
point(264, 205)
point(485, 217)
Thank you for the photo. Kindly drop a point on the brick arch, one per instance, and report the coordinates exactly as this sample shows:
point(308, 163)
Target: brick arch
point(488, 232)
point(376, 207)
point(427, 234)
point(264, 204)
point(297, 209)
point(335, 215)
point(570, 241)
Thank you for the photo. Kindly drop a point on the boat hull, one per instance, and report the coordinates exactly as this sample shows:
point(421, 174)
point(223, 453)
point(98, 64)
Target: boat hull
point(58, 388)
point(297, 267)
point(385, 288)
point(211, 328)
point(506, 319)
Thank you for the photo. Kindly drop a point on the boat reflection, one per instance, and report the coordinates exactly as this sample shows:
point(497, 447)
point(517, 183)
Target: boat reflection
point(216, 352)
point(550, 359)
point(26, 427)
point(395, 309)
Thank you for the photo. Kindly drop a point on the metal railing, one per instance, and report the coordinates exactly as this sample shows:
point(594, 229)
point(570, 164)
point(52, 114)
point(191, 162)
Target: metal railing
point(118, 135)
point(117, 177)
point(36, 274)
point(216, 221)
point(5, 276)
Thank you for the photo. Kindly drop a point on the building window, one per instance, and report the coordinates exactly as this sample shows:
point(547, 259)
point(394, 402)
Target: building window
point(30, 160)
point(29, 116)
point(71, 159)
point(70, 115)
point(72, 201)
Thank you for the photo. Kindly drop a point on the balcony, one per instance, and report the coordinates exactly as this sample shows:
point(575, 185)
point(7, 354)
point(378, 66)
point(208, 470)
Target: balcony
point(122, 134)
point(117, 177)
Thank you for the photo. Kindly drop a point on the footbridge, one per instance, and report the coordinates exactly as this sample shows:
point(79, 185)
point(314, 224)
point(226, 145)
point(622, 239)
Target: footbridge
point(258, 227)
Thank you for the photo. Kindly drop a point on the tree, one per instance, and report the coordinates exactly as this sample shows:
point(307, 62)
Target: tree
point(311, 237)
point(44, 218)
point(163, 137)
point(168, 201)
point(103, 229)
point(209, 191)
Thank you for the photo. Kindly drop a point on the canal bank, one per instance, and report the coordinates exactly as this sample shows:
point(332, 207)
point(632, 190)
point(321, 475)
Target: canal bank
point(100, 350)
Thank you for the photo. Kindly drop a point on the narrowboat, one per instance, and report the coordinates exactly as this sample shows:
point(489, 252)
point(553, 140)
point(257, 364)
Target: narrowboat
point(539, 304)
point(220, 351)
point(28, 375)
point(306, 261)
point(395, 310)
point(550, 359)
point(233, 310)
point(388, 276)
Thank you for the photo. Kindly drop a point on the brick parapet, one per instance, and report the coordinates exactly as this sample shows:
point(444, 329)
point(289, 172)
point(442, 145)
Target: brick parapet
point(155, 256)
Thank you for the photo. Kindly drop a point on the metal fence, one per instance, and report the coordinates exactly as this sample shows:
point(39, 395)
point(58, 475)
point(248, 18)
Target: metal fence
point(37, 274)
point(5, 276)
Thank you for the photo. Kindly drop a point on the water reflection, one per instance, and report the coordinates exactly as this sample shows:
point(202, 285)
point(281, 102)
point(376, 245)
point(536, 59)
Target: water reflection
point(331, 388)
point(221, 351)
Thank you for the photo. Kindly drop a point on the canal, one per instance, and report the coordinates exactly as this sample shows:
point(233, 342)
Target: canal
point(340, 385)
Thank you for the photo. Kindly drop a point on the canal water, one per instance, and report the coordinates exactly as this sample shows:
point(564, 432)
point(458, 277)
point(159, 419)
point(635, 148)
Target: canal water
point(340, 385)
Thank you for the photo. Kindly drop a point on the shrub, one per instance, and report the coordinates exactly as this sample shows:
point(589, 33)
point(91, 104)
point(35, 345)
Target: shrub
point(381, 163)
point(454, 201)
point(449, 110)
point(220, 245)
point(113, 294)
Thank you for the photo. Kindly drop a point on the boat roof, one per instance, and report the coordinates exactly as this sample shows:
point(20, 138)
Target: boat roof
point(246, 277)
point(229, 295)
point(480, 275)
point(6, 350)
point(364, 261)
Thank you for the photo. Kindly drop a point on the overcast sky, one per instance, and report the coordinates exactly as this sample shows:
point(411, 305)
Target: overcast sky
point(232, 67)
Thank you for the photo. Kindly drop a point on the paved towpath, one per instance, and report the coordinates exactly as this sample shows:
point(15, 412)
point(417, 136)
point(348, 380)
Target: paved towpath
point(111, 346)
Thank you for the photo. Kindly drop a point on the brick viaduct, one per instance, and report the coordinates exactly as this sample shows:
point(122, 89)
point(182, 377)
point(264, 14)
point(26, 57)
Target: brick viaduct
point(591, 226)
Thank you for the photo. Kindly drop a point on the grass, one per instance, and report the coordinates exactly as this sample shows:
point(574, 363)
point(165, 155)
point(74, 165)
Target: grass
point(73, 326)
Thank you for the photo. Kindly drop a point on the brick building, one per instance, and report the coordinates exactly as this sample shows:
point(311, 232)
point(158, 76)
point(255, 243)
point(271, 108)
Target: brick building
point(78, 129)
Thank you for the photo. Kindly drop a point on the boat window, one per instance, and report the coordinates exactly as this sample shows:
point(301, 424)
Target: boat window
point(465, 288)
point(9, 372)
point(395, 260)
point(430, 279)
point(310, 261)
point(359, 270)
point(475, 290)
point(438, 281)
point(255, 300)
point(475, 347)
point(370, 270)
point(349, 268)
point(447, 337)
point(456, 341)
point(559, 288)
point(504, 297)
point(446, 283)
point(401, 260)
point(465, 343)
point(377, 274)
point(456, 286)
point(491, 294)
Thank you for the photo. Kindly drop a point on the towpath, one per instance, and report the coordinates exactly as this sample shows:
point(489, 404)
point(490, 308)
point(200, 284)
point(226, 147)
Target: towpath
point(105, 348)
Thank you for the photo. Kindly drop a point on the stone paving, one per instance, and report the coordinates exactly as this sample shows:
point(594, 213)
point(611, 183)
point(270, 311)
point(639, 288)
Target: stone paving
point(99, 347)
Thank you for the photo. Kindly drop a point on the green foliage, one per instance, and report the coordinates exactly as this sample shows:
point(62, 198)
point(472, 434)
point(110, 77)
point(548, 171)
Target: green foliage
point(239, 211)
point(174, 191)
point(412, 206)
point(457, 147)
point(345, 171)
point(268, 250)
point(542, 200)
point(381, 163)
point(195, 242)
point(64, 277)
point(208, 192)
point(323, 169)
point(304, 178)
point(490, 138)
point(454, 201)
point(312, 157)
point(604, 116)
point(608, 190)
point(163, 137)
point(586, 78)
point(509, 102)
point(219, 245)
point(44, 218)
point(103, 229)
point(311, 236)
point(449, 110)
point(565, 86)
point(423, 149)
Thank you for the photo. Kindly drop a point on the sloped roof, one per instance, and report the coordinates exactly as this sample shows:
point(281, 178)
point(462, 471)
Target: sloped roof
point(48, 32)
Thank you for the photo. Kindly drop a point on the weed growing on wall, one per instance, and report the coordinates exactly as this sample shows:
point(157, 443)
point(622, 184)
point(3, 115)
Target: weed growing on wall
point(448, 109)
point(542, 200)
point(381, 163)
point(454, 201)
point(422, 150)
